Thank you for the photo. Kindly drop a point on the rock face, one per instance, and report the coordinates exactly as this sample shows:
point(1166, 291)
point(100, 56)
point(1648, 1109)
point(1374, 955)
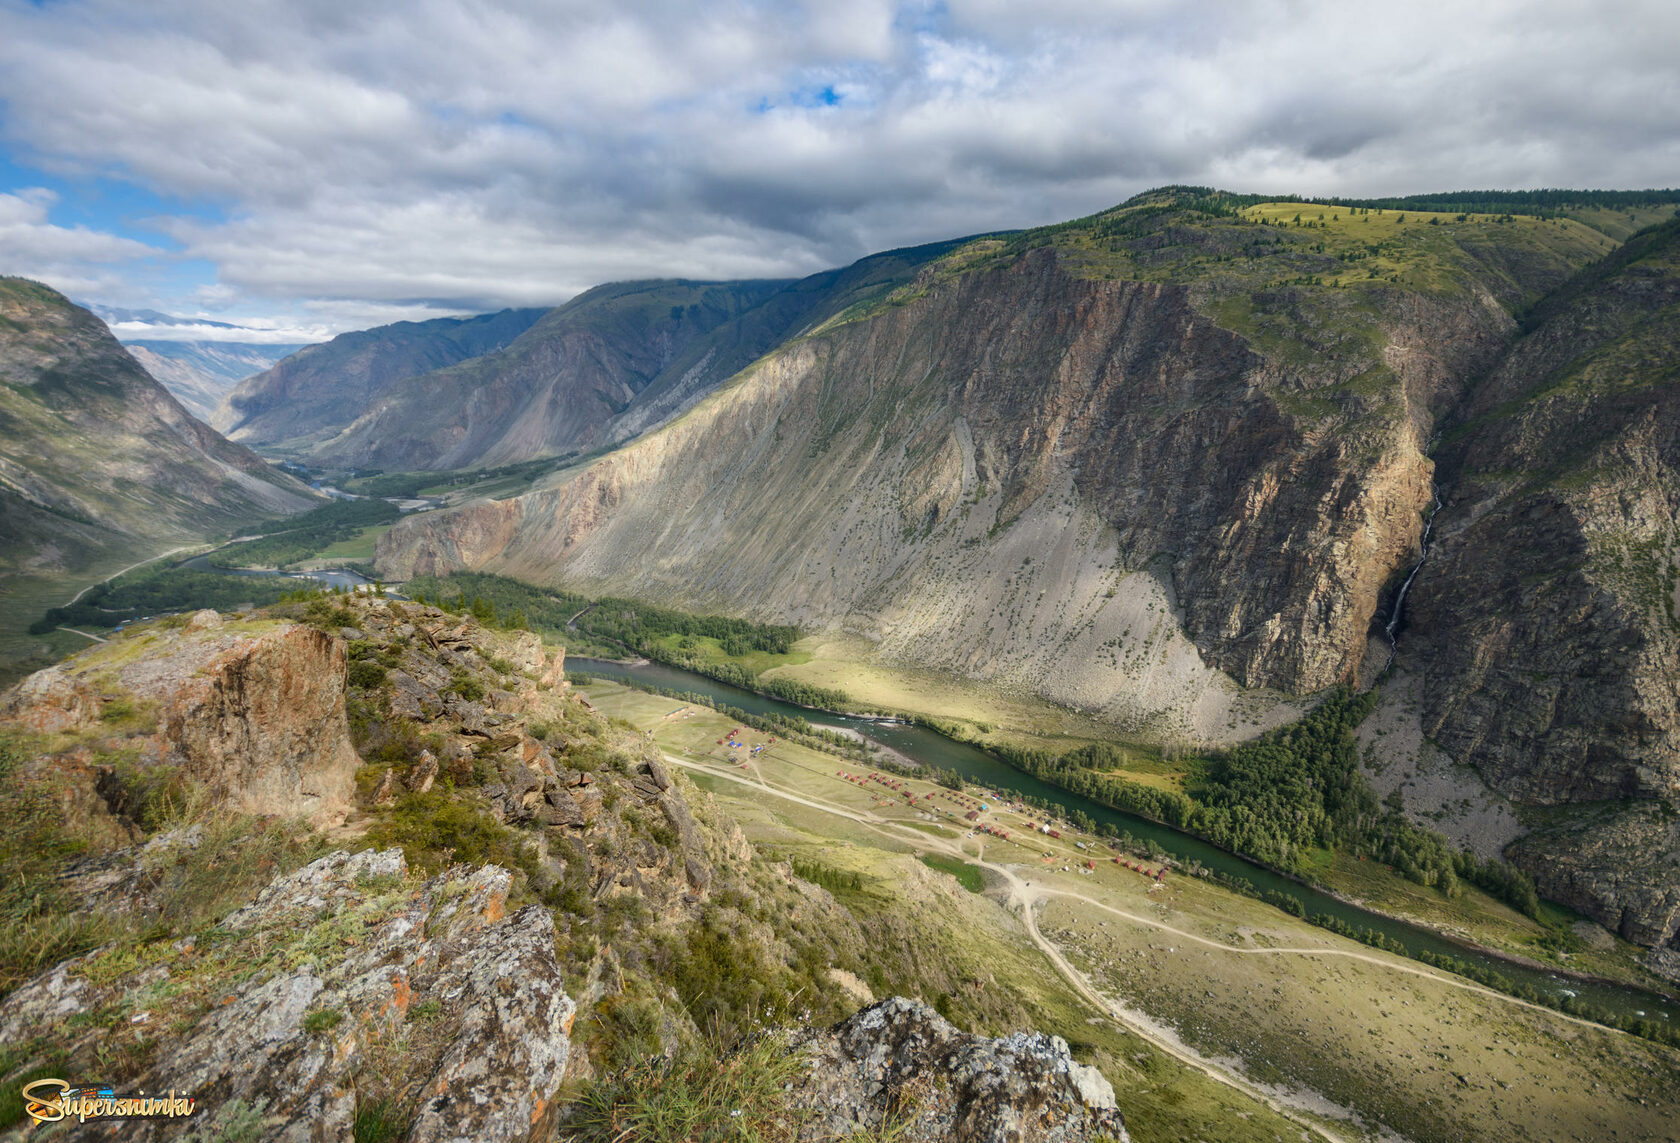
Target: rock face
point(1545, 623)
point(1122, 494)
point(261, 721)
point(442, 1001)
point(899, 1061)
point(254, 713)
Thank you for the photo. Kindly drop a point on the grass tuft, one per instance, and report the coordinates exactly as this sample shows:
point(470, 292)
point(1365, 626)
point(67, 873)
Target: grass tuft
point(724, 1095)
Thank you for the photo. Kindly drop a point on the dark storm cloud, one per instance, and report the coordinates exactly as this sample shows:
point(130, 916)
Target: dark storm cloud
point(370, 159)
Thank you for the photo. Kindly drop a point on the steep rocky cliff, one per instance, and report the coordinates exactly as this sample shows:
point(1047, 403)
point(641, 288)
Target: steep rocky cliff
point(1128, 463)
point(1547, 624)
point(321, 388)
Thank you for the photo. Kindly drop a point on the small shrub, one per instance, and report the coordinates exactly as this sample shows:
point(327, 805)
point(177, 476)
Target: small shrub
point(466, 686)
point(233, 1122)
point(437, 828)
point(378, 1121)
point(366, 675)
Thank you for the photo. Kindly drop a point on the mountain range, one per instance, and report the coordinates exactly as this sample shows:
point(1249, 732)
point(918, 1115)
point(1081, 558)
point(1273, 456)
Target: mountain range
point(201, 374)
point(1171, 463)
point(1181, 467)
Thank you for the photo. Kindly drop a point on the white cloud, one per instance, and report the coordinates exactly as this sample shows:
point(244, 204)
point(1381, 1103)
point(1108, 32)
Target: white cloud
point(430, 156)
point(244, 335)
point(29, 240)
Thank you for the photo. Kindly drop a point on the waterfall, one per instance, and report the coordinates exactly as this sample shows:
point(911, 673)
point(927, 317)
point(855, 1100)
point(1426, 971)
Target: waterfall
point(1398, 610)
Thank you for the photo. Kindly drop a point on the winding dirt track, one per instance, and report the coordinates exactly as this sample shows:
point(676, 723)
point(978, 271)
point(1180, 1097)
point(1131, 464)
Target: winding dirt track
point(1022, 901)
point(151, 560)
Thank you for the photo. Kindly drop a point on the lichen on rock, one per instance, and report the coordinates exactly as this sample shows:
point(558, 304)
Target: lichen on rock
point(900, 1062)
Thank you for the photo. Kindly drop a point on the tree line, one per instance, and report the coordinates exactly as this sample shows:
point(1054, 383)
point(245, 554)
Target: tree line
point(1278, 798)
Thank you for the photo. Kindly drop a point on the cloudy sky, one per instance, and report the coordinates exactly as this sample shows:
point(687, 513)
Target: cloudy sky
point(310, 166)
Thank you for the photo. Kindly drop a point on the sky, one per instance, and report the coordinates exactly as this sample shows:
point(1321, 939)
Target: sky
point(304, 167)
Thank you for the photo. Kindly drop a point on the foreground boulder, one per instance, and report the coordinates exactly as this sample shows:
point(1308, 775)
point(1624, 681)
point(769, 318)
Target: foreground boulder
point(899, 1061)
point(344, 989)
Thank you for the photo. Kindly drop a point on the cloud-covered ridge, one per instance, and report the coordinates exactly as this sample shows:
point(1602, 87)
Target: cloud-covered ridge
point(429, 157)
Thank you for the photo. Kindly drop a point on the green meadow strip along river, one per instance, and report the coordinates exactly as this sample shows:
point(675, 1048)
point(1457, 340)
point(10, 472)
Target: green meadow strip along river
point(931, 749)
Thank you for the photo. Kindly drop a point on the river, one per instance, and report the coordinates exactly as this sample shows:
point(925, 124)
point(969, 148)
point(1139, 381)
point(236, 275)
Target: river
point(332, 577)
point(975, 765)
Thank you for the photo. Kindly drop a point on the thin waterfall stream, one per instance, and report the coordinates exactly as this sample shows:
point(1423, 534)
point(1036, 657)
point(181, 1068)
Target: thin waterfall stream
point(1423, 554)
point(1397, 612)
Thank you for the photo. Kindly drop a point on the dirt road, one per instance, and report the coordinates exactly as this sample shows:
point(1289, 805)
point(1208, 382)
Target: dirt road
point(1021, 900)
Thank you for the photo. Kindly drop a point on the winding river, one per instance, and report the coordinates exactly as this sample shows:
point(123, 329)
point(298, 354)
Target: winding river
point(332, 577)
point(975, 765)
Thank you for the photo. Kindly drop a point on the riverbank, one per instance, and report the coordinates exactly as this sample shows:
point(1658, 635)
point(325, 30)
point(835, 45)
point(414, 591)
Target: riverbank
point(1250, 993)
point(1618, 1000)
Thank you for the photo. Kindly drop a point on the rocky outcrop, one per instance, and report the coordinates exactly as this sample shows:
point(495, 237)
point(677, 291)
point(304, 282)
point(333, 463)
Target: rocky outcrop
point(899, 1062)
point(253, 713)
point(48, 701)
point(428, 999)
point(1619, 864)
point(259, 720)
